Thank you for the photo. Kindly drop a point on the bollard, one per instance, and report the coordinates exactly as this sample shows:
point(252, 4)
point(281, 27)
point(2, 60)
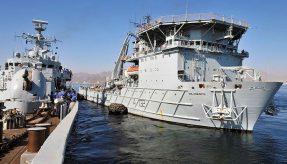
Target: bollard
point(47, 126)
point(36, 137)
point(1, 130)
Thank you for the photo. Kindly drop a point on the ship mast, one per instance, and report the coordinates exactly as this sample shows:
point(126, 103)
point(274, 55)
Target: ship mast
point(41, 43)
point(39, 38)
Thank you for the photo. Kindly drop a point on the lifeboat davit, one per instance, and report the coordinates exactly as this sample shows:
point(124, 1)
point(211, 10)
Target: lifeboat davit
point(134, 70)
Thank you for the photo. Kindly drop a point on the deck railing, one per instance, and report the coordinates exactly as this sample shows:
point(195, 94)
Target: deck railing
point(194, 17)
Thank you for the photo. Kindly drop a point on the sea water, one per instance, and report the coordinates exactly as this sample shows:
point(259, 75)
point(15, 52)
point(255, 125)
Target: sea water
point(101, 138)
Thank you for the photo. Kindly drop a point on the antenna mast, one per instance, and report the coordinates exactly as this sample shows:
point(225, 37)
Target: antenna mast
point(186, 7)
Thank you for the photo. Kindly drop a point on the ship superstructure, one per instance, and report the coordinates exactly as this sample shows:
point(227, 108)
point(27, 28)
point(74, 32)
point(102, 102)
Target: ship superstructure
point(33, 75)
point(188, 69)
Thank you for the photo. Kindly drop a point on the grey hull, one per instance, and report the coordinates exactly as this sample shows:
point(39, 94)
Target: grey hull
point(188, 107)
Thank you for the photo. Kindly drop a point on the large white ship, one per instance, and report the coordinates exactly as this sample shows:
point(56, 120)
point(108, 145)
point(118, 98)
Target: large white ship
point(187, 69)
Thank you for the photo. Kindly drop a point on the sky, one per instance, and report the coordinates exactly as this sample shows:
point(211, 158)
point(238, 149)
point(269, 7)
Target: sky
point(92, 31)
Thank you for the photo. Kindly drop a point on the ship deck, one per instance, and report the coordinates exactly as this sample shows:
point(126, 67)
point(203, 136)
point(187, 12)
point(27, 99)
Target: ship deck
point(13, 154)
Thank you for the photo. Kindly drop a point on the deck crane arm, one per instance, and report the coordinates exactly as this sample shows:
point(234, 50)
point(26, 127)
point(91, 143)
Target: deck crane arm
point(118, 69)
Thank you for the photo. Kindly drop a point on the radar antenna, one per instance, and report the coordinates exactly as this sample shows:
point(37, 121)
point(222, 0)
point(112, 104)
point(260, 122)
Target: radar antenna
point(145, 20)
point(38, 39)
point(39, 25)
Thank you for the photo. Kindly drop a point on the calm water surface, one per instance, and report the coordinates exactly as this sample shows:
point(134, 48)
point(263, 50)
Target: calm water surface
point(100, 138)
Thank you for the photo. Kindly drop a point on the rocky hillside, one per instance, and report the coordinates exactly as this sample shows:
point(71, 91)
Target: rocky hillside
point(98, 78)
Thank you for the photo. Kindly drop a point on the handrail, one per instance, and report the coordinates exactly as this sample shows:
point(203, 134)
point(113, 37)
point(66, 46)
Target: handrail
point(194, 17)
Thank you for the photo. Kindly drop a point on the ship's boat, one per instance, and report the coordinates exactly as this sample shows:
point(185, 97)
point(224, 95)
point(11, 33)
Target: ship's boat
point(134, 70)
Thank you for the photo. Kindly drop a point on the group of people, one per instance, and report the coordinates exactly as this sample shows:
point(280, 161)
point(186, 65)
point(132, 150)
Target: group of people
point(65, 71)
point(63, 96)
point(68, 95)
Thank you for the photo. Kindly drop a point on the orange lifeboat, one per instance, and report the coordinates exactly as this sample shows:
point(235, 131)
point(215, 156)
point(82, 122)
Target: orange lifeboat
point(134, 70)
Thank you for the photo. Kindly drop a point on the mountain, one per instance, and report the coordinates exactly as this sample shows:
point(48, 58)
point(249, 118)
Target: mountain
point(98, 78)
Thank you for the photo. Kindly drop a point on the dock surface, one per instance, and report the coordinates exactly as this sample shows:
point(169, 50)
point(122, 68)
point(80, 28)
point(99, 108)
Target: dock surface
point(13, 155)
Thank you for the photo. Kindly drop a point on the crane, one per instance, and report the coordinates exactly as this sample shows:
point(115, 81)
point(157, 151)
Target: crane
point(118, 69)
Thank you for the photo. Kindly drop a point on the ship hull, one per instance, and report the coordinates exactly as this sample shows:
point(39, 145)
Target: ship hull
point(191, 106)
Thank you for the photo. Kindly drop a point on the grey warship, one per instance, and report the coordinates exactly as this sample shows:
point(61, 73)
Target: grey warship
point(188, 69)
point(29, 78)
